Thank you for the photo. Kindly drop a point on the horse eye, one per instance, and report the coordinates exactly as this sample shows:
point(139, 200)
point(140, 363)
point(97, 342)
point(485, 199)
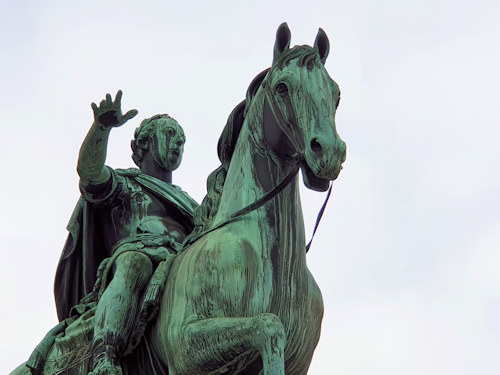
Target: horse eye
point(281, 88)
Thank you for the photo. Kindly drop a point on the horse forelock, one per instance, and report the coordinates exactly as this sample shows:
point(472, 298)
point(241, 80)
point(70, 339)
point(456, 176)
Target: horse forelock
point(305, 56)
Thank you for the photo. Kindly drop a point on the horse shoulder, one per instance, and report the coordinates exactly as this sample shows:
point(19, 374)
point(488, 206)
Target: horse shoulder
point(315, 298)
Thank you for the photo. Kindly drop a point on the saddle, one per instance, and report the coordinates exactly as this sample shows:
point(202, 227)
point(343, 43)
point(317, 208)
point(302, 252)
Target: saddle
point(69, 344)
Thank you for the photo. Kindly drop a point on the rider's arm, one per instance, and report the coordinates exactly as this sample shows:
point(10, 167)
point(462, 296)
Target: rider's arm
point(92, 156)
point(91, 168)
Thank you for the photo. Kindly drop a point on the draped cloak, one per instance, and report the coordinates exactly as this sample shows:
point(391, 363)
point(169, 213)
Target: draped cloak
point(84, 249)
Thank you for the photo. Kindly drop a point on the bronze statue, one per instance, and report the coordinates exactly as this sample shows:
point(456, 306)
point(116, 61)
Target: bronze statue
point(134, 216)
point(239, 298)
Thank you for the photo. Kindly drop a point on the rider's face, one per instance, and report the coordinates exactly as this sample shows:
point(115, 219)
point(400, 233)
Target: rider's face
point(167, 146)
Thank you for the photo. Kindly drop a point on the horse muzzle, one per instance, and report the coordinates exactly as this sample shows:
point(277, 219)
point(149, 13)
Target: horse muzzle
point(323, 162)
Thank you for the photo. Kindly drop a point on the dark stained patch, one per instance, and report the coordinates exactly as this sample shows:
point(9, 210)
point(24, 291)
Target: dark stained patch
point(251, 272)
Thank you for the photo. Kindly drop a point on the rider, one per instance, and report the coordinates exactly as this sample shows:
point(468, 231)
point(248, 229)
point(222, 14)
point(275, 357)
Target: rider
point(136, 217)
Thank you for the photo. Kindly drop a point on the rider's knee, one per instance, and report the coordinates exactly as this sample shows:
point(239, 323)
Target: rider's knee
point(134, 265)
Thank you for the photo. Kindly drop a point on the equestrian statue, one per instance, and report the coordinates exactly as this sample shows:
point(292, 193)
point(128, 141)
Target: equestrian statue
point(231, 292)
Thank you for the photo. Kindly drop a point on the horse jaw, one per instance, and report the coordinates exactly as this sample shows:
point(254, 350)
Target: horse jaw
point(312, 181)
point(319, 170)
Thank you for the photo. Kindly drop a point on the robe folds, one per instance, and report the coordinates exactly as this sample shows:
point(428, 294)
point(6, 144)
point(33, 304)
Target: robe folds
point(84, 248)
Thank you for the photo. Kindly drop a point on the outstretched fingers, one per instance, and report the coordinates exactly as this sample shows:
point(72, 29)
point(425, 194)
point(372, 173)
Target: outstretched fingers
point(130, 114)
point(109, 112)
point(118, 97)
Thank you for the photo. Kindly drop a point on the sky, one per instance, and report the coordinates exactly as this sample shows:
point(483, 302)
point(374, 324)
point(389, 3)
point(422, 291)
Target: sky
point(407, 254)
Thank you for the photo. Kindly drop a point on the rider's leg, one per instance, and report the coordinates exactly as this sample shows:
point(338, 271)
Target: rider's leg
point(116, 310)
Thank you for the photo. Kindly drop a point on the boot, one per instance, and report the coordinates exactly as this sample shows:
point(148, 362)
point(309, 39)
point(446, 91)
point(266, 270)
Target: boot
point(106, 354)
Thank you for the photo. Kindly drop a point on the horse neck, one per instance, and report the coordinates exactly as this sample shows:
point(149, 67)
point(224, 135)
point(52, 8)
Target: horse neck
point(279, 223)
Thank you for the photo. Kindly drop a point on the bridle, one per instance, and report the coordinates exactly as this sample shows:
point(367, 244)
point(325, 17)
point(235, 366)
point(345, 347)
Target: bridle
point(285, 124)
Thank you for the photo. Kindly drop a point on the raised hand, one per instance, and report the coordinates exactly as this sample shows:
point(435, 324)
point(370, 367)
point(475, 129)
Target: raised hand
point(109, 112)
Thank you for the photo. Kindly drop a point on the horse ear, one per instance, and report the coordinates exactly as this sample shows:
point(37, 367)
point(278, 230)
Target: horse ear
point(322, 45)
point(282, 40)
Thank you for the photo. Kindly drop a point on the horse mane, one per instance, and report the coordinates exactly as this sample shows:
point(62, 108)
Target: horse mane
point(205, 213)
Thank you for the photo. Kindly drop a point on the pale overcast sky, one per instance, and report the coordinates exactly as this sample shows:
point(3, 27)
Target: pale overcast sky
point(407, 255)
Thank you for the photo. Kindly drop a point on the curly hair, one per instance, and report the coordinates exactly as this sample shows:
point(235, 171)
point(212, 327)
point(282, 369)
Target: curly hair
point(143, 133)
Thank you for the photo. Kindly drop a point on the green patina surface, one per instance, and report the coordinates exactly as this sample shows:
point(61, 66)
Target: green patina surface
point(238, 297)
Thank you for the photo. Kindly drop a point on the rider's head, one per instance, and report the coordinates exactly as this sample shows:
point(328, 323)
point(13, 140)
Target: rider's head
point(163, 137)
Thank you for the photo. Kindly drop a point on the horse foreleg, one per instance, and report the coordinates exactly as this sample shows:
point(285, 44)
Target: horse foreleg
point(212, 344)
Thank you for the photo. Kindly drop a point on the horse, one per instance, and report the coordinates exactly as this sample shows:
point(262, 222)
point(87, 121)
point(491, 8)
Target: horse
point(239, 299)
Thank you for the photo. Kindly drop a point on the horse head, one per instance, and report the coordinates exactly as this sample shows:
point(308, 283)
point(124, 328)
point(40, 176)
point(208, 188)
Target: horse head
point(300, 101)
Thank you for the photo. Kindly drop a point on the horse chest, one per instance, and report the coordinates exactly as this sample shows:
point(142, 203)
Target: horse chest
point(302, 323)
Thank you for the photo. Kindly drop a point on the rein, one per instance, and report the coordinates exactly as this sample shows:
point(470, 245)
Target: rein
point(263, 200)
point(320, 215)
point(255, 205)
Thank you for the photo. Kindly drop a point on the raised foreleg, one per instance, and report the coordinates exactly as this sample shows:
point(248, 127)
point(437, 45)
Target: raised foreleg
point(210, 345)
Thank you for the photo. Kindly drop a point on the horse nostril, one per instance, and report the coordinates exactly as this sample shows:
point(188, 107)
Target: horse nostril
point(316, 148)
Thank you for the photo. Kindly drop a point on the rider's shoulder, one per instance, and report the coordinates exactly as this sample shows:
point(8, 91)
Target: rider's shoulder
point(128, 172)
